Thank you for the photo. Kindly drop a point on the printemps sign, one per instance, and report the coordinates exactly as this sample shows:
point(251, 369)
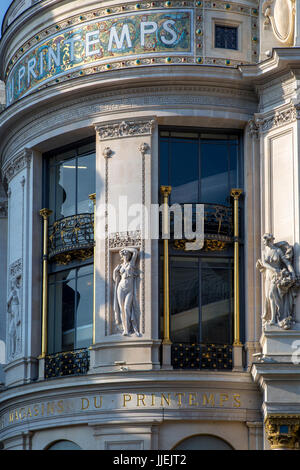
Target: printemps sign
point(90, 404)
point(103, 40)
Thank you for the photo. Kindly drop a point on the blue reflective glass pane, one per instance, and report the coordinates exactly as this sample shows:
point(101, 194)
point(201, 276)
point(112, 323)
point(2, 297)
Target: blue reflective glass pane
point(164, 162)
point(184, 299)
point(216, 301)
point(214, 172)
point(184, 170)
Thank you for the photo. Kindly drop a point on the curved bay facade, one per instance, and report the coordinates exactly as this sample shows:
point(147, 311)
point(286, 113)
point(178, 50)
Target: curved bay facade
point(114, 335)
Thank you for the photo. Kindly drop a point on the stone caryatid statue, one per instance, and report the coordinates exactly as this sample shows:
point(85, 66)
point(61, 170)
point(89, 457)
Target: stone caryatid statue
point(281, 282)
point(14, 319)
point(126, 307)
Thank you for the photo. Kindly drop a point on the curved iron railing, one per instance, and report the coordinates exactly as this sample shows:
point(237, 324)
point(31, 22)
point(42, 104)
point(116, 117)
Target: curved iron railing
point(71, 238)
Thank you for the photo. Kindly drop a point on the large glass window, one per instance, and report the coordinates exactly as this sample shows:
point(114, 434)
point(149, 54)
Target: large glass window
point(200, 167)
point(70, 315)
point(70, 179)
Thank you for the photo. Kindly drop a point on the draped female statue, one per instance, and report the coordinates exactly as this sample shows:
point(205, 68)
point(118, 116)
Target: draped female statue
point(280, 282)
point(126, 306)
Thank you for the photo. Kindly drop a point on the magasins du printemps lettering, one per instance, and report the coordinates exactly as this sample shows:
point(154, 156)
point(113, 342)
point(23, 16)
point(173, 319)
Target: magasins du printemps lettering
point(97, 41)
point(122, 401)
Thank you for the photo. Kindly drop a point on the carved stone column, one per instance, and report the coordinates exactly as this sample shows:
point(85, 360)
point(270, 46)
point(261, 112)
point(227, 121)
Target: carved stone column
point(123, 197)
point(283, 432)
point(252, 206)
point(3, 274)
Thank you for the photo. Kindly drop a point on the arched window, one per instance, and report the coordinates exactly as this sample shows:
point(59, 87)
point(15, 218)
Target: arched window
point(203, 442)
point(64, 445)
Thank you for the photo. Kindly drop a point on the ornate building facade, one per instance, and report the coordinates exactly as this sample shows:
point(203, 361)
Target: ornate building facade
point(117, 331)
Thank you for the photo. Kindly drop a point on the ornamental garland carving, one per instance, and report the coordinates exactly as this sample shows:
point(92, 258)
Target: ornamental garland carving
point(281, 282)
point(279, 118)
point(17, 164)
point(125, 129)
point(124, 239)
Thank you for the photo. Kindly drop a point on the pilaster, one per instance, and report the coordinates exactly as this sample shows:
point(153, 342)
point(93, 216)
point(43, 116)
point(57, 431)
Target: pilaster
point(23, 267)
point(125, 149)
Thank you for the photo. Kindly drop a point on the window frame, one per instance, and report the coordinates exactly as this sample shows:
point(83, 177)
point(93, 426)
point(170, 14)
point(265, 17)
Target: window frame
point(226, 255)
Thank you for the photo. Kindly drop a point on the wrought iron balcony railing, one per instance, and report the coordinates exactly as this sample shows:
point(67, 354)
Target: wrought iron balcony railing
point(67, 363)
point(218, 227)
point(71, 238)
point(201, 356)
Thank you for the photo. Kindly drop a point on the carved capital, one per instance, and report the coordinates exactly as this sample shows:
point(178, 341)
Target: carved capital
point(283, 432)
point(253, 128)
point(45, 213)
point(143, 148)
point(236, 192)
point(165, 191)
point(16, 164)
point(117, 130)
point(107, 152)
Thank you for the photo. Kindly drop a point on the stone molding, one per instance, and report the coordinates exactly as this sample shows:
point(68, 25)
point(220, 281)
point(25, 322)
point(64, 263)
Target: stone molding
point(117, 130)
point(16, 164)
point(36, 125)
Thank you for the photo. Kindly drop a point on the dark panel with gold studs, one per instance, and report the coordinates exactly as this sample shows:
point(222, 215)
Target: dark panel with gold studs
point(67, 363)
point(202, 356)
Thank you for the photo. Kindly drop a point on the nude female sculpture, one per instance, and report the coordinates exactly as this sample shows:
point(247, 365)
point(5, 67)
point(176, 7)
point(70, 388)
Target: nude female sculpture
point(280, 282)
point(125, 294)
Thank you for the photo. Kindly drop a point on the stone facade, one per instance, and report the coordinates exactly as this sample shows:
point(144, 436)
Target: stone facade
point(131, 398)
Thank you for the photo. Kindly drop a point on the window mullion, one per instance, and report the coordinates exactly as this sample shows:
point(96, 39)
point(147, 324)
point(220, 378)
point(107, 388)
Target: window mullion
point(200, 299)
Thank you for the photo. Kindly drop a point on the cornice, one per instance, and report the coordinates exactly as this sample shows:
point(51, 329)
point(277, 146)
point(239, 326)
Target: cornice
point(96, 106)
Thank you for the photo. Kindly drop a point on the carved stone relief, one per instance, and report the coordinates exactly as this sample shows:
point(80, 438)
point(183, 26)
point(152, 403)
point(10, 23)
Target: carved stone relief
point(125, 304)
point(281, 282)
point(14, 310)
point(280, 15)
point(17, 164)
point(125, 129)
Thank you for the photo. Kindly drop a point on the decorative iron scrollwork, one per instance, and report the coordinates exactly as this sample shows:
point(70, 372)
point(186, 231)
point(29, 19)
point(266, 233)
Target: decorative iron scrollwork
point(72, 238)
point(67, 363)
point(201, 356)
point(218, 228)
